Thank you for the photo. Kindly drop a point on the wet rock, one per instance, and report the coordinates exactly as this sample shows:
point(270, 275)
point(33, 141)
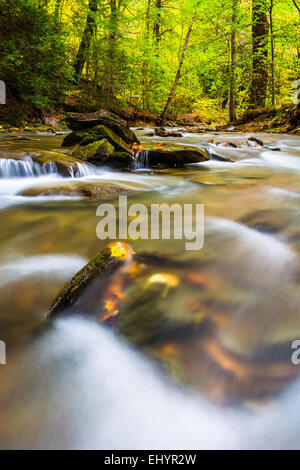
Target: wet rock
point(103, 153)
point(119, 126)
point(176, 158)
point(161, 132)
point(86, 189)
point(97, 151)
point(89, 284)
point(219, 158)
point(65, 164)
point(254, 140)
point(227, 145)
point(96, 134)
point(19, 156)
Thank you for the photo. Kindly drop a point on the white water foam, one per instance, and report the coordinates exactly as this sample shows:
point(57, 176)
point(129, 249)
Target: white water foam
point(59, 267)
point(282, 160)
point(79, 387)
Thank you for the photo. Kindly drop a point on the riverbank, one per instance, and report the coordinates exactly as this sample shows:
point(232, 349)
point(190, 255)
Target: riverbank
point(285, 120)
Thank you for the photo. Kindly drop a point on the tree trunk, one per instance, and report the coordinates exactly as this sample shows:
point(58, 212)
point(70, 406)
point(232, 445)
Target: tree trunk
point(232, 114)
point(272, 54)
point(177, 78)
point(260, 29)
point(89, 31)
point(298, 8)
point(156, 28)
point(145, 68)
point(112, 63)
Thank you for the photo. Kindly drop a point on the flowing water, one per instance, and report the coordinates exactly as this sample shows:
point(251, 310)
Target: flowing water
point(204, 365)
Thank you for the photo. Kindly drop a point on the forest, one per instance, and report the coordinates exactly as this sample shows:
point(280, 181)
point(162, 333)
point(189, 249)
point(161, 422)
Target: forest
point(207, 61)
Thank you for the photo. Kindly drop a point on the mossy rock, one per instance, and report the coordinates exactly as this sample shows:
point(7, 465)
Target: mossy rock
point(119, 126)
point(95, 134)
point(76, 189)
point(97, 152)
point(103, 153)
point(72, 291)
point(66, 164)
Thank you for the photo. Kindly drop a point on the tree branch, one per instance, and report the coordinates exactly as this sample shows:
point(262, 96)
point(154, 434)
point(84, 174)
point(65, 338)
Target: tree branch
point(298, 8)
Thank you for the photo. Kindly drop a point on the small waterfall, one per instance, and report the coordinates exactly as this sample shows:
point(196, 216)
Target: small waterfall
point(142, 160)
point(85, 169)
point(10, 168)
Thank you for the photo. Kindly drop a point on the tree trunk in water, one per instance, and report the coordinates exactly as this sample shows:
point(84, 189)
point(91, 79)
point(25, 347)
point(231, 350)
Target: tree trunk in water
point(232, 114)
point(260, 29)
point(89, 30)
point(177, 78)
point(272, 54)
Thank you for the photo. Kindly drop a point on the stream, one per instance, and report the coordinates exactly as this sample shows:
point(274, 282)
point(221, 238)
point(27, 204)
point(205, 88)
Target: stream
point(218, 372)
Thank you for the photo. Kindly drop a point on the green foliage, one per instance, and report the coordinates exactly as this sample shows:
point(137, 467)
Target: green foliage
point(134, 52)
point(33, 52)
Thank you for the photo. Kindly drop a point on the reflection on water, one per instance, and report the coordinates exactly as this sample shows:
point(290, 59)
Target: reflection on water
point(223, 330)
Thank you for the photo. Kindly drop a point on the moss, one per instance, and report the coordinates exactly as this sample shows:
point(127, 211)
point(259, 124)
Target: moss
point(97, 152)
point(119, 126)
point(70, 294)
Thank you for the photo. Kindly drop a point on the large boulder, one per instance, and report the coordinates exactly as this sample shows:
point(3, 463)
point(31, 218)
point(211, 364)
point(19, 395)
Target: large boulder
point(77, 122)
point(87, 189)
point(103, 153)
point(94, 135)
point(176, 158)
point(100, 146)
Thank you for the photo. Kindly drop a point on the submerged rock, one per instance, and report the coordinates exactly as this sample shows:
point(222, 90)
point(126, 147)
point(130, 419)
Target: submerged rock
point(268, 220)
point(167, 309)
point(77, 122)
point(76, 189)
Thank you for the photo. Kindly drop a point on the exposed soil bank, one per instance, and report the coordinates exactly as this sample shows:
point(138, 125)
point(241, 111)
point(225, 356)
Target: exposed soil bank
point(283, 120)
